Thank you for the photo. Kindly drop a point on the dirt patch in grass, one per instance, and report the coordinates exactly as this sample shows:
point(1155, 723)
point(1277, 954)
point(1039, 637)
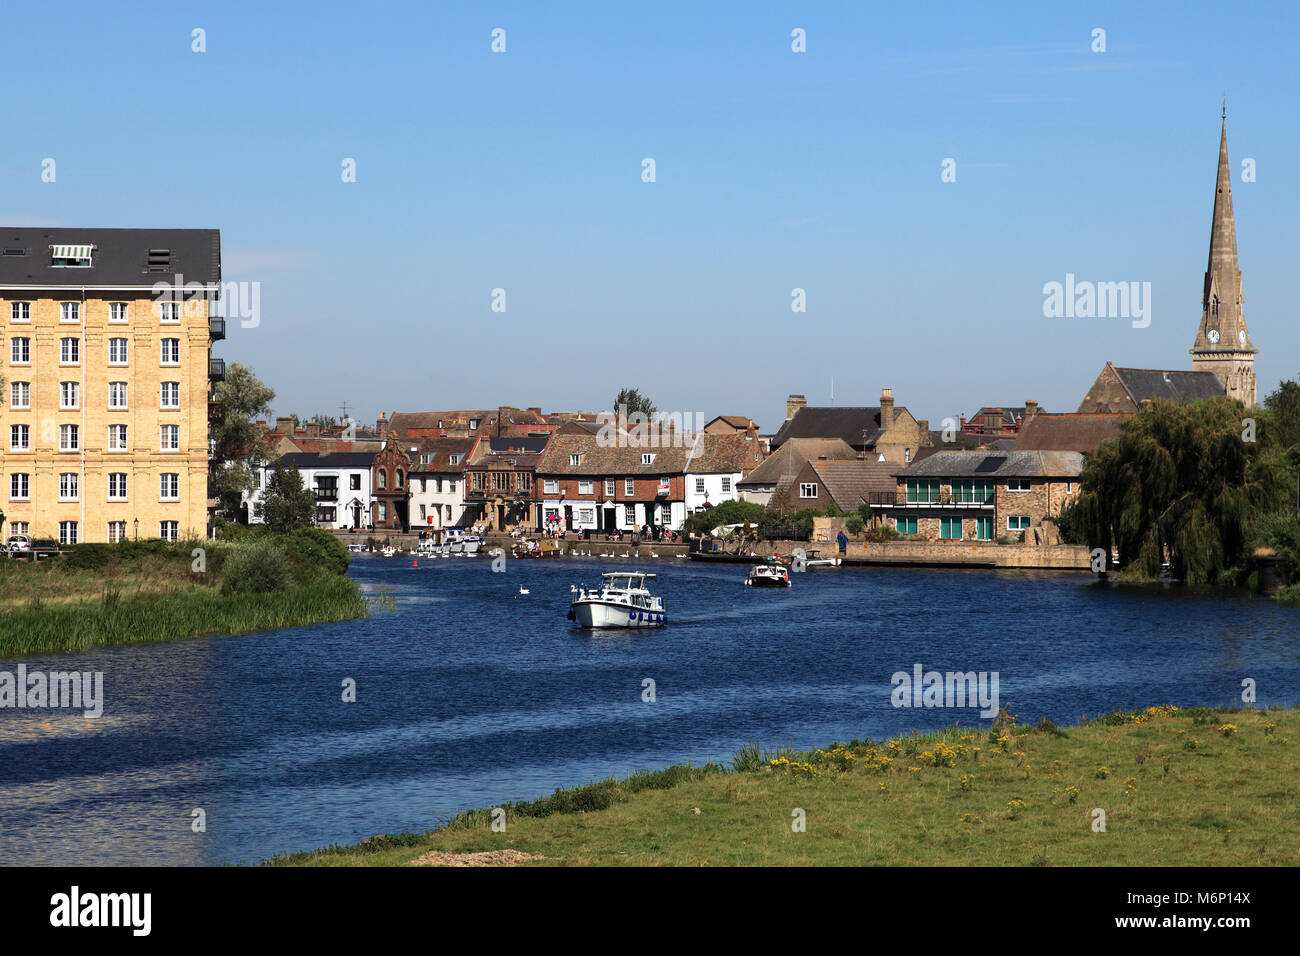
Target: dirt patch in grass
point(487, 858)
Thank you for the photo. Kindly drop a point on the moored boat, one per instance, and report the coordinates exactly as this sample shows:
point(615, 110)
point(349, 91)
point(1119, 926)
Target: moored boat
point(622, 600)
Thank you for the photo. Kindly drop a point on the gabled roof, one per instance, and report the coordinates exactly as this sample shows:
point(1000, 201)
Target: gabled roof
point(857, 425)
point(1069, 432)
point(441, 449)
point(851, 482)
point(788, 460)
point(985, 464)
point(598, 458)
point(401, 422)
point(121, 256)
point(723, 454)
point(1175, 386)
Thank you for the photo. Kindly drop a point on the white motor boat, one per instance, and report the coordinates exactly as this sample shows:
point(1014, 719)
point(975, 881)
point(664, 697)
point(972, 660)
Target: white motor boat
point(356, 548)
point(768, 576)
point(623, 600)
point(457, 542)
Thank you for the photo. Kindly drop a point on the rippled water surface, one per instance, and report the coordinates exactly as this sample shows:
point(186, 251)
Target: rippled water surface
point(469, 694)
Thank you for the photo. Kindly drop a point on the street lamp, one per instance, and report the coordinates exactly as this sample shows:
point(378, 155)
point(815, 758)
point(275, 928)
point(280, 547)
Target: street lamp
point(137, 529)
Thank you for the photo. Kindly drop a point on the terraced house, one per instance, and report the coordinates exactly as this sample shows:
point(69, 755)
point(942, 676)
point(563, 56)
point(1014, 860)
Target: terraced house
point(106, 382)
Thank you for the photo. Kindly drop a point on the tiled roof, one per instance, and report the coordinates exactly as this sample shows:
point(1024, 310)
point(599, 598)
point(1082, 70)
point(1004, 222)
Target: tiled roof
point(986, 464)
point(723, 454)
point(401, 422)
point(1069, 432)
point(600, 460)
point(851, 482)
point(441, 449)
point(787, 460)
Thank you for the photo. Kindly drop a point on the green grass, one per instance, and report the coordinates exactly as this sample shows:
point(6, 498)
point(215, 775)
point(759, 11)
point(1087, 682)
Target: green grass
point(1176, 790)
point(75, 627)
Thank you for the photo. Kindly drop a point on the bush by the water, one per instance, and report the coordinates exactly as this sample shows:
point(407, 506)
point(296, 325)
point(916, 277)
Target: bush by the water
point(317, 548)
point(255, 567)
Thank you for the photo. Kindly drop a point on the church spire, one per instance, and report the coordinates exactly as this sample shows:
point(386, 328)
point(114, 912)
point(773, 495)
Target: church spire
point(1223, 343)
point(1223, 232)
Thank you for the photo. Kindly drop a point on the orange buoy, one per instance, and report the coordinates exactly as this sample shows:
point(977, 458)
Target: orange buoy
point(415, 564)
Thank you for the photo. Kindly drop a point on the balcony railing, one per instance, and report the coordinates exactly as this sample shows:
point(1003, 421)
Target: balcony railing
point(901, 499)
point(217, 369)
point(217, 327)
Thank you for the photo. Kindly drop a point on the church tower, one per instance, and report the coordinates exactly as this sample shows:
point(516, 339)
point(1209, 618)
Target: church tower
point(1223, 343)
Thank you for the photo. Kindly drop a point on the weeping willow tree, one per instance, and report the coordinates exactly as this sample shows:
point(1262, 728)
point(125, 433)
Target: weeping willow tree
point(1182, 483)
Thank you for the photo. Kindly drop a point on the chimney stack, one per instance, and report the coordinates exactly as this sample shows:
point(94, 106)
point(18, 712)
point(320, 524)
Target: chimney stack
point(313, 427)
point(284, 424)
point(381, 425)
point(886, 408)
point(792, 404)
point(1031, 409)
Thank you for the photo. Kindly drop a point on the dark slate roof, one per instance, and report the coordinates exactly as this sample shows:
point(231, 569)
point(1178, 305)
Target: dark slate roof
point(342, 459)
point(1144, 383)
point(532, 445)
point(121, 256)
point(1069, 432)
point(847, 422)
point(1001, 464)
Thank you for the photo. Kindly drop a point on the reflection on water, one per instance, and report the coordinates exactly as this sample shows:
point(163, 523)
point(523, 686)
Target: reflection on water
point(469, 693)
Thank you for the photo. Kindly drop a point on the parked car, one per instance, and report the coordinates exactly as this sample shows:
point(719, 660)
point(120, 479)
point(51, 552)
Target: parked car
point(18, 542)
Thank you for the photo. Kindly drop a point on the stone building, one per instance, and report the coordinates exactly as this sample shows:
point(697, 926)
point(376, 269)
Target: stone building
point(982, 496)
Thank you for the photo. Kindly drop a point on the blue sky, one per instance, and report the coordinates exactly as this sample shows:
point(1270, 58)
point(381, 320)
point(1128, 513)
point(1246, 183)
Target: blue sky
point(774, 170)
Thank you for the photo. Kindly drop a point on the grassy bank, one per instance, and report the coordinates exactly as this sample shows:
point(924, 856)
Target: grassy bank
point(1191, 788)
point(144, 592)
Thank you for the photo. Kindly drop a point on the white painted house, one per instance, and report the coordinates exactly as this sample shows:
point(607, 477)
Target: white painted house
point(437, 481)
point(715, 466)
point(340, 481)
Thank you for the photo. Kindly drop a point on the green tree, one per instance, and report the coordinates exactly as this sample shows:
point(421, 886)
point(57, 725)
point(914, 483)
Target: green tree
point(1181, 483)
point(286, 504)
point(631, 402)
point(239, 444)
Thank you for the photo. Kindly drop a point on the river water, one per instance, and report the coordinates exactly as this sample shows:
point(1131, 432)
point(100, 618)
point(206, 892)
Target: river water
point(469, 693)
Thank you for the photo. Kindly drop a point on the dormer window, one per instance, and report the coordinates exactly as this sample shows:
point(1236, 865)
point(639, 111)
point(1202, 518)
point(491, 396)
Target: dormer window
point(71, 257)
point(455, 459)
point(473, 424)
point(648, 458)
point(575, 460)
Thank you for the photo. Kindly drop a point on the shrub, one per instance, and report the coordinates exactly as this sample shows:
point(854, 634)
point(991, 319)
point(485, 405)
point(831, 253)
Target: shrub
point(318, 548)
point(87, 557)
point(255, 567)
point(853, 524)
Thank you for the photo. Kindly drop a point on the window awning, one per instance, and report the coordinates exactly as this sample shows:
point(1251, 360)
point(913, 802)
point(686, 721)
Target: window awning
point(72, 252)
